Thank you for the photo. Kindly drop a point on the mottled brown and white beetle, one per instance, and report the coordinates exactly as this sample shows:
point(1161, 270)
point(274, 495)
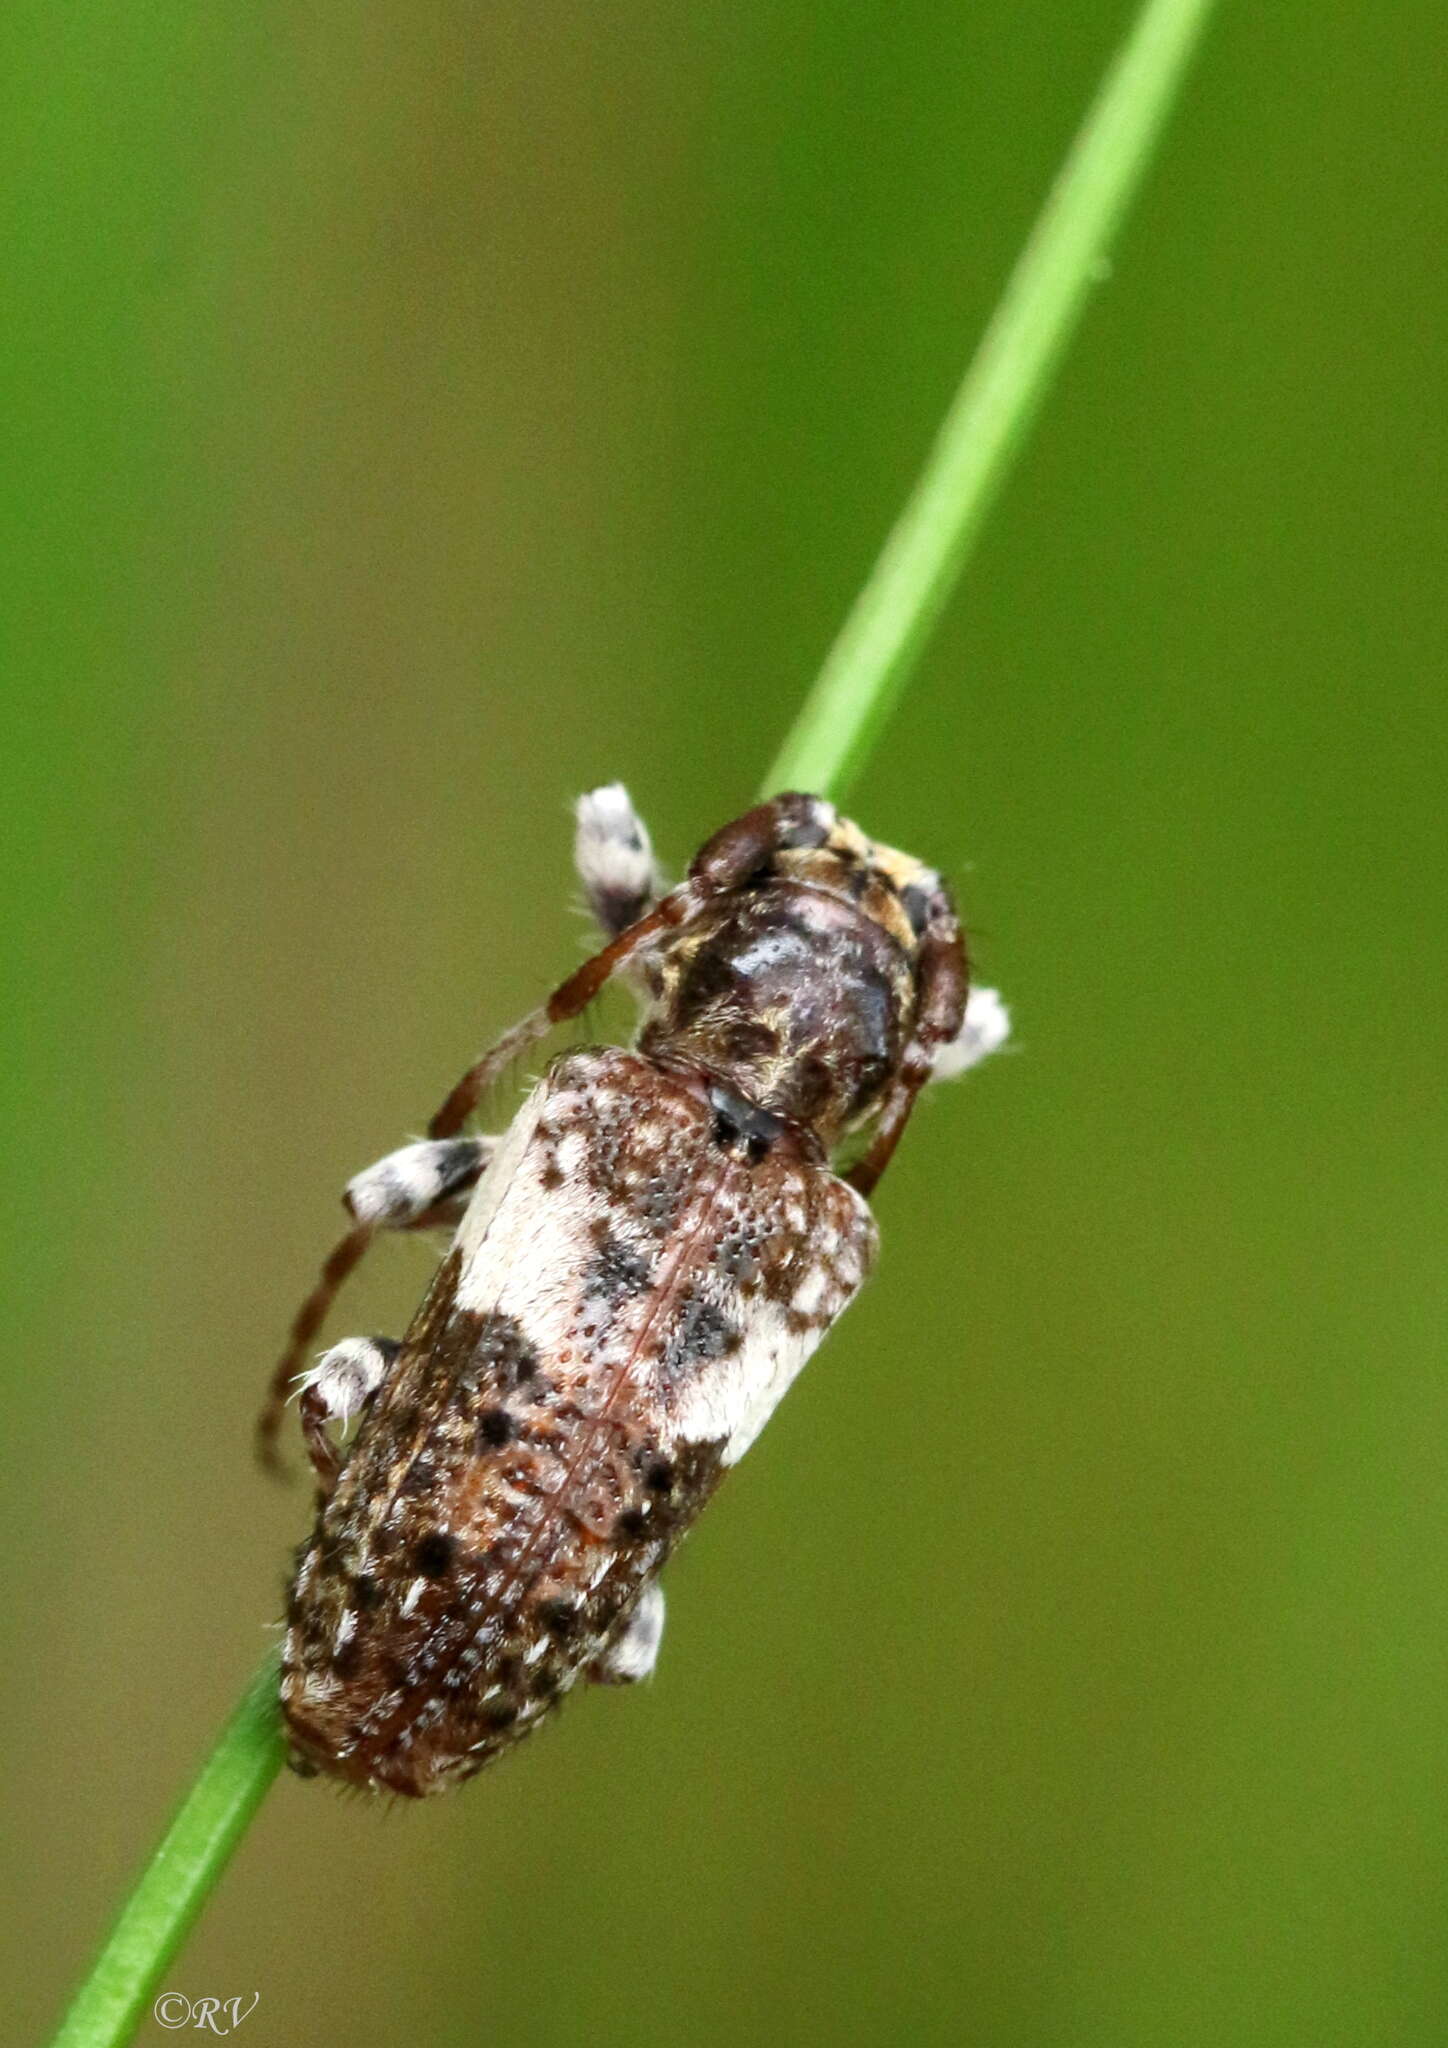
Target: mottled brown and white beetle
point(642, 1264)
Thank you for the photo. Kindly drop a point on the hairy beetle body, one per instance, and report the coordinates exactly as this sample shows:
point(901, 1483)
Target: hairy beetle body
point(641, 1266)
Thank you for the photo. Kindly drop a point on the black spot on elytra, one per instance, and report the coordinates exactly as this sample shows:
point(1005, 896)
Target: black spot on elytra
point(348, 1660)
point(496, 1427)
point(550, 1175)
point(499, 1714)
point(502, 1344)
point(484, 1351)
point(366, 1593)
point(558, 1615)
point(659, 1477)
point(616, 1272)
point(433, 1553)
point(632, 1524)
point(701, 1334)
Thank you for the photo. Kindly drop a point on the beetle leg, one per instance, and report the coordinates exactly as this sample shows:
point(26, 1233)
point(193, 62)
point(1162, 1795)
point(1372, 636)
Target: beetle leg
point(415, 1188)
point(940, 1013)
point(419, 1185)
point(336, 1388)
point(724, 863)
point(984, 1030)
point(614, 858)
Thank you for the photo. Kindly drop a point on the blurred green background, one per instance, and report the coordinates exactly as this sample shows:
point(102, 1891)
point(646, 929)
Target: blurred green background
point(426, 410)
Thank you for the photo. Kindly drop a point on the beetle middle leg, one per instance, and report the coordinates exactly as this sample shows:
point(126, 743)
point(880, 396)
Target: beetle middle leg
point(418, 1187)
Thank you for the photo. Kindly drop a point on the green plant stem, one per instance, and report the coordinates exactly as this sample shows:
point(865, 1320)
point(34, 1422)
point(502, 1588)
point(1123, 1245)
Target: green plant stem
point(837, 725)
point(887, 627)
point(175, 1884)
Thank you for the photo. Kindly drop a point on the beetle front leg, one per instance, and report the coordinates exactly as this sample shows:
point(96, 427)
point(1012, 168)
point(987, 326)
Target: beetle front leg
point(614, 858)
point(724, 862)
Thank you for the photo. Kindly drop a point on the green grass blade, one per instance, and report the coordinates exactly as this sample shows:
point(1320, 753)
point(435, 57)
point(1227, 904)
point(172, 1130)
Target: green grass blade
point(881, 639)
point(838, 724)
point(180, 1876)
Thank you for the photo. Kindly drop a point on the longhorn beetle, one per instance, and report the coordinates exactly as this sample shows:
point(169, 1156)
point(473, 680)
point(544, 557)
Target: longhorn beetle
point(641, 1265)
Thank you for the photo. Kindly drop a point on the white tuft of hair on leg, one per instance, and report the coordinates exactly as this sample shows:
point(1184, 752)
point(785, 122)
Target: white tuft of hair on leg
point(344, 1376)
point(986, 1027)
point(395, 1191)
point(612, 850)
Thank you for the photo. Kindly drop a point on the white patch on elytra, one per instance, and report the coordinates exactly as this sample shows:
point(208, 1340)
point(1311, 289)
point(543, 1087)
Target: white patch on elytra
point(812, 1289)
point(727, 1400)
point(531, 1234)
point(730, 1400)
